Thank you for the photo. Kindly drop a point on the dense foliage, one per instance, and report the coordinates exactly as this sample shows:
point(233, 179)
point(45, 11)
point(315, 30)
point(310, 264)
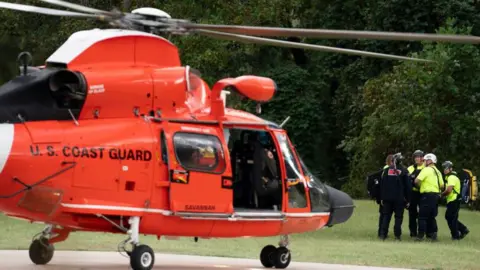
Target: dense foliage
point(434, 107)
point(346, 112)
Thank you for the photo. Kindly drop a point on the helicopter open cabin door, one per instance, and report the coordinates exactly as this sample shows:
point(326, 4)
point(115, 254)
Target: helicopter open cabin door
point(200, 179)
point(298, 200)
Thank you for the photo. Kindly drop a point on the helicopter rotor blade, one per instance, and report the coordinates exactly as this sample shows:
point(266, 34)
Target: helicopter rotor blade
point(288, 44)
point(46, 11)
point(77, 7)
point(332, 34)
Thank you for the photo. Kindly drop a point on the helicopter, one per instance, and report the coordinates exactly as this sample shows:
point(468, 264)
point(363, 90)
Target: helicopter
point(113, 134)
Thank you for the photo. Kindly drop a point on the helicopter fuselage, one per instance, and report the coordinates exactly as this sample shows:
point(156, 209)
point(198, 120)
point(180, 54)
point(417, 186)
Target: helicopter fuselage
point(114, 135)
point(117, 168)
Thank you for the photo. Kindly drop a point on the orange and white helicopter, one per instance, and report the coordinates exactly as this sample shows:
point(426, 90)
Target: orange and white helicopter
point(115, 135)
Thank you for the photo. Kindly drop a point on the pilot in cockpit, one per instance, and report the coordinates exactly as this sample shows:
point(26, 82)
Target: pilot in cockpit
point(266, 176)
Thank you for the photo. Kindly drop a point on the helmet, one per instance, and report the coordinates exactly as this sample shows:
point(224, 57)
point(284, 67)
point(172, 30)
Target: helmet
point(447, 164)
point(418, 153)
point(431, 157)
point(397, 158)
point(263, 138)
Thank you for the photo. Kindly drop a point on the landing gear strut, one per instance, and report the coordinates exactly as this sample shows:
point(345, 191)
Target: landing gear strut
point(41, 250)
point(280, 257)
point(142, 257)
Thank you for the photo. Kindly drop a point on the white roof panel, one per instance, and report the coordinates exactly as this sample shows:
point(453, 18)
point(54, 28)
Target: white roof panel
point(78, 42)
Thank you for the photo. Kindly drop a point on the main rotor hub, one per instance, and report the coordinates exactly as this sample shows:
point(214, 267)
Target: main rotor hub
point(153, 12)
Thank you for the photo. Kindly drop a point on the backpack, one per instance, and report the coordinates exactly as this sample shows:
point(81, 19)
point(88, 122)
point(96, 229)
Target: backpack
point(373, 184)
point(468, 186)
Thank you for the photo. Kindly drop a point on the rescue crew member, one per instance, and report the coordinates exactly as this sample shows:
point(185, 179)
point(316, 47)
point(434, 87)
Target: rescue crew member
point(431, 184)
point(266, 179)
point(452, 193)
point(414, 171)
point(395, 189)
point(388, 163)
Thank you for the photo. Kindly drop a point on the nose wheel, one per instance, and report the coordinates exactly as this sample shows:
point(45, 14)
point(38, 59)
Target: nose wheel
point(275, 257)
point(280, 257)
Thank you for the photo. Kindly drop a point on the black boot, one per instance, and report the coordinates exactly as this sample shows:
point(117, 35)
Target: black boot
point(462, 235)
point(433, 237)
point(419, 237)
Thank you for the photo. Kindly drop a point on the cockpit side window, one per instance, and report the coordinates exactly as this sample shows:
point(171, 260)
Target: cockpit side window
point(199, 152)
point(319, 198)
point(296, 188)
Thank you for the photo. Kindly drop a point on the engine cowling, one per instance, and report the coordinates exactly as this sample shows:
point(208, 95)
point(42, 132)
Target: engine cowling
point(45, 94)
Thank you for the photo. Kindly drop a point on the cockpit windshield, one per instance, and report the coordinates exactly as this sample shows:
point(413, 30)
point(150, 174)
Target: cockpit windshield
point(319, 199)
point(296, 181)
point(293, 171)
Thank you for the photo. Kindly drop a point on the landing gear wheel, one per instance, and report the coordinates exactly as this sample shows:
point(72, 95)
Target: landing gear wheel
point(142, 258)
point(282, 258)
point(40, 251)
point(267, 256)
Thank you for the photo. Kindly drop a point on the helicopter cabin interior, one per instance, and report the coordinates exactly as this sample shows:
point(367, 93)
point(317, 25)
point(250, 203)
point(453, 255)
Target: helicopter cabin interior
point(257, 175)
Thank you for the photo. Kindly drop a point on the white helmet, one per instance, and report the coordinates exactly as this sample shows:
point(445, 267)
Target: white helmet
point(431, 157)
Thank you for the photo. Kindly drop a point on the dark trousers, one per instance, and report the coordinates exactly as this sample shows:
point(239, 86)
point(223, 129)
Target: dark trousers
point(388, 208)
point(413, 213)
point(427, 223)
point(451, 215)
point(380, 217)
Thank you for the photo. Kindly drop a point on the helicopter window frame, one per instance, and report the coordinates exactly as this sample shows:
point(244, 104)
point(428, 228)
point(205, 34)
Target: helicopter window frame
point(220, 165)
point(298, 196)
point(164, 147)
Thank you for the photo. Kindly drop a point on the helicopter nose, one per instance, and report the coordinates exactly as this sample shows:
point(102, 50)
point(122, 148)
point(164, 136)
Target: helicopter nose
point(341, 206)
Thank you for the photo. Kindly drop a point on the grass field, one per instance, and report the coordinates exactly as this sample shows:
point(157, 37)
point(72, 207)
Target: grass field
point(354, 242)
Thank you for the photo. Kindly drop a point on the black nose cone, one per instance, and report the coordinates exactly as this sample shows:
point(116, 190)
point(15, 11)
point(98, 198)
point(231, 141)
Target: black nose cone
point(341, 206)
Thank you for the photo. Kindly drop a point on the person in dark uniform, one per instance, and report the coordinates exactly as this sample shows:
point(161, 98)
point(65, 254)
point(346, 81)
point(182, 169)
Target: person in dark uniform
point(266, 179)
point(388, 163)
point(431, 185)
point(414, 170)
point(395, 190)
point(452, 194)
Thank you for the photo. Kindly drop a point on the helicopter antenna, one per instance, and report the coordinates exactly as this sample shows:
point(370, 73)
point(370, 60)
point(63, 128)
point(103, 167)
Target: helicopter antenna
point(24, 58)
point(285, 121)
point(73, 117)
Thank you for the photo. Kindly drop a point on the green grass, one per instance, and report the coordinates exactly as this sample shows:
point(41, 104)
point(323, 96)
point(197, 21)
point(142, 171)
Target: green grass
point(354, 242)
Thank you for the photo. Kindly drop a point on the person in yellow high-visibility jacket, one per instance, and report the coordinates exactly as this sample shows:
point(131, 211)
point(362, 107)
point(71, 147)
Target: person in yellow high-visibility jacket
point(414, 170)
point(430, 182)
point(452, 193)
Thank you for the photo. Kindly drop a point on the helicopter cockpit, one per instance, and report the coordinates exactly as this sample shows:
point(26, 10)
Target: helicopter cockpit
point(249, 157)
point(321, 197)
point(303, 191)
